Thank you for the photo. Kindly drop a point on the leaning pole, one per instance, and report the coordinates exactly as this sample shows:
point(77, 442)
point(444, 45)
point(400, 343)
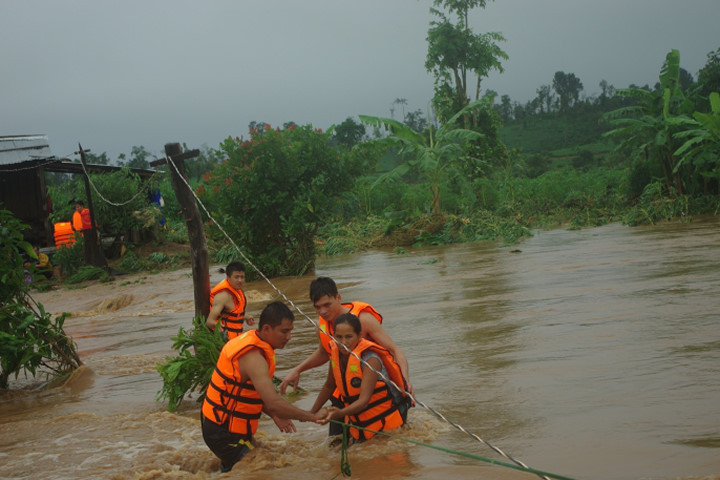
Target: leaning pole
point(193, 220)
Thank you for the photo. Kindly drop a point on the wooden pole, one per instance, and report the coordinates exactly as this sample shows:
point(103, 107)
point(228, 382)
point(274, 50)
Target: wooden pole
point(196, 231)
point(93, 247)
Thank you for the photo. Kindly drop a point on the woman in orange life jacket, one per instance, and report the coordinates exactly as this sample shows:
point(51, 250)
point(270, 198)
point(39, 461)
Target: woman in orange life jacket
point(368, 401)
point(227, 302)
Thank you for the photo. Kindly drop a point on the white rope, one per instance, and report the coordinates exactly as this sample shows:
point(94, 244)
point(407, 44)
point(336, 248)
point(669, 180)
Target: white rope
point(380, 374)
point(113, 203)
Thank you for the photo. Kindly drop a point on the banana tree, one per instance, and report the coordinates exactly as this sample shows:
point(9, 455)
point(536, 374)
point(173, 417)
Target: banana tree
point(702, 140)
point(647, 126)
point(434, 155)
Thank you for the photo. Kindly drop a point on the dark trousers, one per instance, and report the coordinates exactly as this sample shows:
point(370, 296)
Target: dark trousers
point(229, 447)
point(335, 428)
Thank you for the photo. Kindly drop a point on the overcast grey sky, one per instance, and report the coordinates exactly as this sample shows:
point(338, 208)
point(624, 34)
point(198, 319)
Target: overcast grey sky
point(111, 74)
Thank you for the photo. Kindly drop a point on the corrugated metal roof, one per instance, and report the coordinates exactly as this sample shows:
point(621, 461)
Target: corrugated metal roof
point(24, 148)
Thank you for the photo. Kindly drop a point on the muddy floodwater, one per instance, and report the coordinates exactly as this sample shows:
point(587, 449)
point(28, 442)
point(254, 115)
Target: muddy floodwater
point(591, 354)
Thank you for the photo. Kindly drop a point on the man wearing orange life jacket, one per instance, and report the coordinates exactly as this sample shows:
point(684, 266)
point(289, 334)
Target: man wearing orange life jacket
point(241, 388)
point(328, 305)
point(367, 401)
point(227, 302)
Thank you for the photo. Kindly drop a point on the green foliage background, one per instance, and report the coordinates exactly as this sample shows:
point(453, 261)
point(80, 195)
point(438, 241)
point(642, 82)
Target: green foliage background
point(274, 191)
point(31, 341)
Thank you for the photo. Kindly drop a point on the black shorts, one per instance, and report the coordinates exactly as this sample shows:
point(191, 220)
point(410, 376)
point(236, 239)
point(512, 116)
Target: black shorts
point(229, 447)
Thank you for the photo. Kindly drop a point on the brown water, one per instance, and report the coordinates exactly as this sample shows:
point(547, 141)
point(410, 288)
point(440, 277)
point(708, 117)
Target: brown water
point(589, 354)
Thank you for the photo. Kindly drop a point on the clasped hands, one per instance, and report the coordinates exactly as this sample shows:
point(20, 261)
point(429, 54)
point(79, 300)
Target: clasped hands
point(326, 414)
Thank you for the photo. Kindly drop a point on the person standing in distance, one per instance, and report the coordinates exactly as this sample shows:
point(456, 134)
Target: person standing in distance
point(81, 217)
point(228, 302)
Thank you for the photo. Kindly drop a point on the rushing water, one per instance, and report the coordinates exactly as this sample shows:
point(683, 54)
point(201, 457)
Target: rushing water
point(589, 354)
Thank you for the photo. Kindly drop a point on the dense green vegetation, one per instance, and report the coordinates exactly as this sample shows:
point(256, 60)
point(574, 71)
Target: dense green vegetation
point(637, 155)
point(475, 167)
point(31, 341)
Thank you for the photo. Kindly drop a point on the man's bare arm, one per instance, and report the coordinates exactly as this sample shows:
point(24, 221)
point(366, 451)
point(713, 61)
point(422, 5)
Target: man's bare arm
point(253, 366)
point(219, 302)
point(325, 392)
point(317, 358)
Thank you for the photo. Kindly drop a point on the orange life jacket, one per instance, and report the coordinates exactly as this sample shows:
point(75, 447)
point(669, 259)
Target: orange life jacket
point(232, 321)
point(63, 234)
point(231, 400)
point(85, 218)
point(356, 308)
point(381, 413)
point(77, 223)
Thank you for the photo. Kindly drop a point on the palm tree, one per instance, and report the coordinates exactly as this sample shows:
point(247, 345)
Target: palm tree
point(434, 155)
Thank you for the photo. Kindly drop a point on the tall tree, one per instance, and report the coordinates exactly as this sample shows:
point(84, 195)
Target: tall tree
point(708, 81)
point(607, 91)
point(138, 158)
point(545, 98)
point(454, 52)
point(686, 80)
point(568, 88)
point(416, 120)
point(403, 103)
point(505, 109)
point(349, 133)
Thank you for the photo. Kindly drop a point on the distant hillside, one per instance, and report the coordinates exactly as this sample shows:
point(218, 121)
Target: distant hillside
point(554, 133)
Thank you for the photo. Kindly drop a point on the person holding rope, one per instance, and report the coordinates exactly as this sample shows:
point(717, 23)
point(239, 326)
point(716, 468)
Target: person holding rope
point(367, 400)
point(228, 302)
point(328, 305)
point(241, 388)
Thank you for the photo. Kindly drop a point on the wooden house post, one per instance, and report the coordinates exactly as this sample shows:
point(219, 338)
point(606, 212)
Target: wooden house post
point(93, 246)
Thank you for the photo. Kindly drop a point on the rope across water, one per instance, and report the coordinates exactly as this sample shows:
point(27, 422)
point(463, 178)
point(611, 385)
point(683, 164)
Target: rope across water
point(345, 463)
point(517, 464)
point(317, 327)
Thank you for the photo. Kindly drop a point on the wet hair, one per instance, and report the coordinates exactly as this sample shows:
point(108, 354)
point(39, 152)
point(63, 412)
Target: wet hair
point(322, 286)
point(234, 267)
point(351, 320)
point(273, 314)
